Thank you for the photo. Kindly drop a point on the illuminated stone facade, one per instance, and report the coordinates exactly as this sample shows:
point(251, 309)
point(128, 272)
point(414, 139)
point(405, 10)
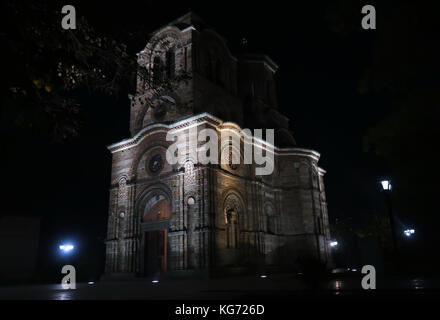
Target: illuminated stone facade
point(189, 216)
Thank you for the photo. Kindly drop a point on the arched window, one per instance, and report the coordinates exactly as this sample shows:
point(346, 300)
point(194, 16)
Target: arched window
point(171, 63)
point(232, 209)
point(232, 229)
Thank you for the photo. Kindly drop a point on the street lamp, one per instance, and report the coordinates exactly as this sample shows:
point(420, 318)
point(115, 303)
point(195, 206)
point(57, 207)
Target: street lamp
point(333, 244)
point(409, 232)
point(66, 247)
point(386, 187)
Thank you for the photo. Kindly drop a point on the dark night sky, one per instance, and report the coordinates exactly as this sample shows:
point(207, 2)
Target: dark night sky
point(67, 184)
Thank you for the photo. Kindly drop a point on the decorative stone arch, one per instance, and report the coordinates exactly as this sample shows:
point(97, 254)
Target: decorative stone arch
point(190, 175)
point(158, 189)
point(122, 178)
point(167, 38)
point(122, 189)
point(229, 154)
point(157, 61)
point(232, 201)
point(237, 194)
point(190, 158)
point(233, 212)
point(158, 205)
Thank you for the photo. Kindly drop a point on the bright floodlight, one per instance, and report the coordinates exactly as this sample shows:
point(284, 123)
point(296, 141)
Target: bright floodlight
point(386, 184)
point(333, 244)
point(263, 276)
point(409, 232)
point(155, 281)
point(66, 247)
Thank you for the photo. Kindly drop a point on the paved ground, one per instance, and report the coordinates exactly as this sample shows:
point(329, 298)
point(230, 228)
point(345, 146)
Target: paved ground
point(225, 288)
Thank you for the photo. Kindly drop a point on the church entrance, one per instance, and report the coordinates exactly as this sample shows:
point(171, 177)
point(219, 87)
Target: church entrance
point(155, 252)
point(155, 224)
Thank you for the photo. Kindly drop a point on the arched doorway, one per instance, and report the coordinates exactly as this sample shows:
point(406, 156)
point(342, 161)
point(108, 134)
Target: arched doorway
point(155, 221)
point(230, 247)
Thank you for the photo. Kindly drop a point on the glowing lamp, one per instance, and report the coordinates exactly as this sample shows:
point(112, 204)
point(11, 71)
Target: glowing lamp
point(386, 185)
point(66, 247)
point(333, 244)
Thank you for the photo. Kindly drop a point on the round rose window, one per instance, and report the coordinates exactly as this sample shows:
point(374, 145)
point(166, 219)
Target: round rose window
point(156, 163)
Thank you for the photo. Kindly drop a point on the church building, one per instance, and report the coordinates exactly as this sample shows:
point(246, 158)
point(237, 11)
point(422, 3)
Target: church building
point(210, 218)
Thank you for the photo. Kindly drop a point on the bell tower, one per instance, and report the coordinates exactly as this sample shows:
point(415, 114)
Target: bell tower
point(164, 91)
point(186, 68)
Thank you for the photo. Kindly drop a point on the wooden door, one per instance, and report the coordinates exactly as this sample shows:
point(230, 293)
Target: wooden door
point(155, 252)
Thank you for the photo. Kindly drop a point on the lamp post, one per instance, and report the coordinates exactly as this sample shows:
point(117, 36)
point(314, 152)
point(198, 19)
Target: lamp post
point(386, 187)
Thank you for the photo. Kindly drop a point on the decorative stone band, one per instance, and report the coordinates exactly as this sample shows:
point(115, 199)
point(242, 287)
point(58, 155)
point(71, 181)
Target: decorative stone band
point(203, 118)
